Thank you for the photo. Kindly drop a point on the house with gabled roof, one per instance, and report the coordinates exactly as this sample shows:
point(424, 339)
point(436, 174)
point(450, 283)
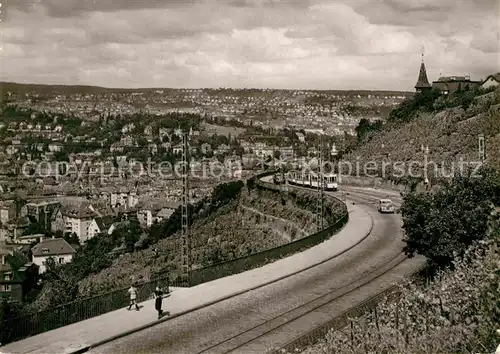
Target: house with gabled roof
point(17, 273)
point(55, 248)
point(101, 225)
point(491, 81)
point(77, 219)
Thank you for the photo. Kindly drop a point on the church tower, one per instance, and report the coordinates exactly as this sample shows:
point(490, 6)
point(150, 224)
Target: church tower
point(422, 83)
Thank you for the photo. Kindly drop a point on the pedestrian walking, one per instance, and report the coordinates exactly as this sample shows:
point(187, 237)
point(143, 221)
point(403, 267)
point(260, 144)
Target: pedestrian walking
point(158, 301)
point(133, 298)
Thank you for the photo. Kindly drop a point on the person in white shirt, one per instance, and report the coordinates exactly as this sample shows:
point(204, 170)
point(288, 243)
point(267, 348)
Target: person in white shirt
point(133, 298)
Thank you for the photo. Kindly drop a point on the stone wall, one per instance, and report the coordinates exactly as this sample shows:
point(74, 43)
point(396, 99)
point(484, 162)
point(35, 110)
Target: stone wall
point(376, 182)
point(370, 182)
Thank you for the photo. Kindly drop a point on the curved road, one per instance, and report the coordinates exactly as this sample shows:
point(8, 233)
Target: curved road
point(204, 328)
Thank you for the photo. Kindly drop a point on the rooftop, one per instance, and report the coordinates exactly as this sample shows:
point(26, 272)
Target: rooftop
point(52, 247)
point(422, 81)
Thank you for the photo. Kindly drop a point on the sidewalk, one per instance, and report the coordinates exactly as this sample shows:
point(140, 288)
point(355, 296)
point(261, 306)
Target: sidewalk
point(79, 337)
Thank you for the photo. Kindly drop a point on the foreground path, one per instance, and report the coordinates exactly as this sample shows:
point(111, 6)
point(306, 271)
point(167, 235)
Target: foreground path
point(81, 336)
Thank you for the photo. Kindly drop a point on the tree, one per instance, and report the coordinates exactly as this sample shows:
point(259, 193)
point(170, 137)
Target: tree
point(442, 225)
point(71, 238)
point(421, 101)
point(129, 233)
point(33, 229)
point(365, 127)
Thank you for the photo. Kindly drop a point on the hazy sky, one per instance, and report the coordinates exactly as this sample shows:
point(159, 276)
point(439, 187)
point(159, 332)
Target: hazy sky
point(310, 44)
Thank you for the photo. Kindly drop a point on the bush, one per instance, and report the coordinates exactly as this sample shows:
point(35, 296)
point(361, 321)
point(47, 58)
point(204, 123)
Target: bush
point(365, 127)
point(8, 311)
point(407, 110)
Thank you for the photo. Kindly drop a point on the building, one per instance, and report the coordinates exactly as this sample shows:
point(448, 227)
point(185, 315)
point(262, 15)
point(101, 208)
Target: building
point(106, 224)
point(128, 199)
point(100, 225)
point(56, 248)
point(155, 211)
point(448, 85)
point(93, 229)
point(491, 81)
point(422, 82)
point(78, 221)
point(17, 274)
point(14, 228)
point(43, 212)
point(7, 211)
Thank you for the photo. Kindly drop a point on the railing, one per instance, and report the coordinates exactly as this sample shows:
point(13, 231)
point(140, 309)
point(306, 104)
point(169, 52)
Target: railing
point(238, 265)
point(80, 310)
point(63, 315)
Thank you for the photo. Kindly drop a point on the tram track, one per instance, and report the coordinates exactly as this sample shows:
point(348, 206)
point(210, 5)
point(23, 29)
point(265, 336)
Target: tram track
point(318, 304)
point(274, 316)
point(321, 303)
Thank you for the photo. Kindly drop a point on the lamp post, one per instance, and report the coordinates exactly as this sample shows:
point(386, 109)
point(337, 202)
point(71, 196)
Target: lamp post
point(426, 153)
point(156, 254)
point(481, 147)
point(333, 154)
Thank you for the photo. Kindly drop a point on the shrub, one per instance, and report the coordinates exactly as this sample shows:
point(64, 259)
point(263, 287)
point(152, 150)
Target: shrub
point(443, 224)
point(365, 127)
point(407, 110)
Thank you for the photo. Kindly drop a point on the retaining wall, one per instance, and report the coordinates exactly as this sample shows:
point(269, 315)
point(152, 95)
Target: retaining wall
point(255, 260)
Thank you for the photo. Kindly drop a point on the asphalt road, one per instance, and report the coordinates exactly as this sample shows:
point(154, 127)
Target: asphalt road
point(201, 329)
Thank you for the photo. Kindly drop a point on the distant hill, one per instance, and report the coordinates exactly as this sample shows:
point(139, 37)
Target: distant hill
point(72, 89)
point(26, 88)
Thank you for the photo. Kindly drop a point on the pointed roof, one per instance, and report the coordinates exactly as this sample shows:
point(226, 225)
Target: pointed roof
point(422, 82)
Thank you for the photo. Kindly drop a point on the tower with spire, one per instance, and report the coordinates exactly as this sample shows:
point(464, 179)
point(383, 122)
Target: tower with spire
point(422, 83)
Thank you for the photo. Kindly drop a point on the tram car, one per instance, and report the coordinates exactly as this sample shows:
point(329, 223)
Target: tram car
point(311, 180)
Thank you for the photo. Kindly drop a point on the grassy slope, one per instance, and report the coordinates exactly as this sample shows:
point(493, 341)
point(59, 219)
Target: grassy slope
point(451, 134)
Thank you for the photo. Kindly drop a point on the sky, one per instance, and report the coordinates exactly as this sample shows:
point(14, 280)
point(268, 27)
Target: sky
point(282, 44)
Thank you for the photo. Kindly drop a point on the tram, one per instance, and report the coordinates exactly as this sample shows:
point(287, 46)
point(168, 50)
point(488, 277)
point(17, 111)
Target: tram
point(311, 180)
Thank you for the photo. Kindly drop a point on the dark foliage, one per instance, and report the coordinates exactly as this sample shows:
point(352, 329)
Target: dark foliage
point(8, 311)
point(443, 224)
point(407, 110)
point(365, 127)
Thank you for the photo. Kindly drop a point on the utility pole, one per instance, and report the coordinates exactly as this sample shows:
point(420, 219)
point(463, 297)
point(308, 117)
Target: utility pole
point(426, 153)
point(333, 155)
point(481, 147)
point(185, 257)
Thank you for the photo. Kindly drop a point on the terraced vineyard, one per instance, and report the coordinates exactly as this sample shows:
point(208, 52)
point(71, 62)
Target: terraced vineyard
point(451, 134)
point(256, 221)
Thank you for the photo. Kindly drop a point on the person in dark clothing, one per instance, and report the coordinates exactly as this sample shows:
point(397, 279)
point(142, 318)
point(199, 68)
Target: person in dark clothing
point(158, 300)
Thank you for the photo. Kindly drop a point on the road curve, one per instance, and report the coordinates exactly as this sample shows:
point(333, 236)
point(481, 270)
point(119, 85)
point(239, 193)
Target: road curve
point(208, 327)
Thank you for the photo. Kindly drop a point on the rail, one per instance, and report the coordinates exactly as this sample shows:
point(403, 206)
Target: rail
point(311, 337)
point(238, 265)
point(35, 323)
point(38, 322)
